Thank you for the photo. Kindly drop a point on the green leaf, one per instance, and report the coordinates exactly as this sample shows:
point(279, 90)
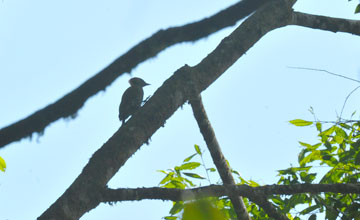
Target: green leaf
point(190, 183)
point(302, 155)
point(357, 10)
point(211, 169)
point(189, 166)
point(357, 158)
point(310, 147)
point(293, 201)
point(175, 184)
point(277, 200)
point(326, 157)
point(338, 139)
point(167, 178)
point(318, 126)
point(228, 163)
point(2, 164)
point(309, 209)
point(333, 176)
point(243, 181)
point(292, 170)
point(234, 171)
point(170, 217)
point(346, 126)
point(177, 170)
point(253, 183)
point(307, 178)
point(315, 155)
point(177, 207)
point(328, 131)
point(341, 132)
point(162, 171)
point(328, 145)
point(300, 122)
point(346, 157)
point(194, 175)
point(197, 149)
point(189, 158)
point(305, 145)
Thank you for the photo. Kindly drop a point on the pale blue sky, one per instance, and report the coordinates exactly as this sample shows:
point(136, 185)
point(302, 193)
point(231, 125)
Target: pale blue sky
point(48, 48)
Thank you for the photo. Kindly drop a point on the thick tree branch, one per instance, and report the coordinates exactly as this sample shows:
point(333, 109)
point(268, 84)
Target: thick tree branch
point(219, 159)
point(255, 194)
point(118, 195)
point(326, 23)
point(186, 82)
point(68, 105)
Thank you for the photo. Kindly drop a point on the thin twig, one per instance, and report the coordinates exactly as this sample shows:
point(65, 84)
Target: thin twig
point(334, 74)
point(347, 99)
point(206, 170)
point(321, 70)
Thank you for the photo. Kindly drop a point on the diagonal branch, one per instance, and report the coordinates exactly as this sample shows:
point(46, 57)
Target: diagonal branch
point(261, 200)
point(186, 82)
point(223, 168)
point(326, 23)
point(219, 159)
point(68, 105)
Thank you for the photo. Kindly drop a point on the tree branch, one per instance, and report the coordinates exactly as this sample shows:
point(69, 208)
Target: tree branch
point(218, 158)
point(223, 168)
point(326, 23)
point(186, 82)
point(68, 105)
point(118, 195)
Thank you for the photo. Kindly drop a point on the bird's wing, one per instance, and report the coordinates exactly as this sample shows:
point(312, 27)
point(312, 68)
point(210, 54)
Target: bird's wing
point(130, 102)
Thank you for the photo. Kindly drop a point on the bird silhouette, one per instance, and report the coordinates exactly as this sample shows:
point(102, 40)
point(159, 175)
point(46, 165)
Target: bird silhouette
point(132, 98)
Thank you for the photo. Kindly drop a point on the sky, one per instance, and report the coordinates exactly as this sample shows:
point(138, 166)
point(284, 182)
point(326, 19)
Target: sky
point(48, 48)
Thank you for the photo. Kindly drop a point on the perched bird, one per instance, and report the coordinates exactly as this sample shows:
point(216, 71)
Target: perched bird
point(132, 98)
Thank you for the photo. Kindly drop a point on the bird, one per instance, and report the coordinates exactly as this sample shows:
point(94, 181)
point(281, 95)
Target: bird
point(132, 98)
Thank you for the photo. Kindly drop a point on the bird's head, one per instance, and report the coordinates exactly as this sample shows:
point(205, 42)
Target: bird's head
point(136, 81)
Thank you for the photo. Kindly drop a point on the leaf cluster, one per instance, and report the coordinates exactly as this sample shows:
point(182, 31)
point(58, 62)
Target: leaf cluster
point(179, 177)
point(338, 153)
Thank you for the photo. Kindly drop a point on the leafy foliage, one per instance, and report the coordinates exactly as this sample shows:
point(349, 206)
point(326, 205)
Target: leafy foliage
point(180, 178)
point(337, 153)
